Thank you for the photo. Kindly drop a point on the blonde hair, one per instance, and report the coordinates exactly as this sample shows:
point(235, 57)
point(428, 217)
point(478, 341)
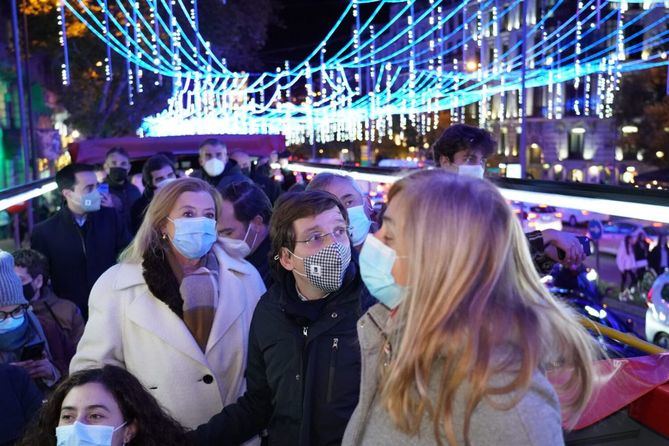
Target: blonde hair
point(149, 235)
point(475, 307)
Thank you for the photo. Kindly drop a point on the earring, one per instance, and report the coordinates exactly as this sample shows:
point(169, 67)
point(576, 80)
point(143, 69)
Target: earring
point(164, 237)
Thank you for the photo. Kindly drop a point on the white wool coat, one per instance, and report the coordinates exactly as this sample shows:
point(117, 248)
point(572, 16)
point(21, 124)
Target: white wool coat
point(131, 328)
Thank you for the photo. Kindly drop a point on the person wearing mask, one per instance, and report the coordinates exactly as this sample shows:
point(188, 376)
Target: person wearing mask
point(82, 240)
point(457, 349)
point(243, 161)
point(61, 320)
point(658, 259)
point(245, 217)
point(123, 193)
point(20, 402)
point(105, 406)
point(156, 172)
point(262, 176)
point(626, 262)
point(463, 149)
point(22, 340)
point(216, 168)
point(303, 369)
point(176, 310)
point(357, 205)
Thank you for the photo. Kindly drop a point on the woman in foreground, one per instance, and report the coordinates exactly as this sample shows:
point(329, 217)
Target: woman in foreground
point(456, 352)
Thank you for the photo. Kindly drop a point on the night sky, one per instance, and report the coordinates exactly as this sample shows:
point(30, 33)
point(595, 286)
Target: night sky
point(305, 23)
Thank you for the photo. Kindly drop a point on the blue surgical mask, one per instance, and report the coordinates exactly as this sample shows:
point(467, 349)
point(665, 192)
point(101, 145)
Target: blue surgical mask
point(11, 324)
point(376, 263)
point(359, 224)
point(89, 202)
point(80, 434)
point(193, 237)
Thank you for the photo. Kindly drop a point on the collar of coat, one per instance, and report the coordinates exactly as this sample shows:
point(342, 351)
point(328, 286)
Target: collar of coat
point(130, 276)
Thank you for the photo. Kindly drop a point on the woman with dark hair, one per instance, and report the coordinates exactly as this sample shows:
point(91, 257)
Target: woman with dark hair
point(106, 406)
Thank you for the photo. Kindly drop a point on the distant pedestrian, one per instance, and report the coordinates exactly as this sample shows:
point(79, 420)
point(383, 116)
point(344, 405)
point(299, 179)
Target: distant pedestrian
point(157, 172)
point(626, 262)
point(216, 168)
point(123, 193)
point(641, 251)
point(658, 259)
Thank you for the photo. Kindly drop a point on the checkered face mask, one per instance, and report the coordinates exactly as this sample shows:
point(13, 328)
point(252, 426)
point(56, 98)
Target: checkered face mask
point(325, 270)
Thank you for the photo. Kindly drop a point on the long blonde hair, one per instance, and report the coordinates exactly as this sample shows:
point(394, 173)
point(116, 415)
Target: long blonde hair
point(475, 307)
point(149, 235)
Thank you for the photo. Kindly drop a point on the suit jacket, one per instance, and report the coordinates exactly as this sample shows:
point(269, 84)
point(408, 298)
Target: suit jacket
point(131, 328)
point(78, 256)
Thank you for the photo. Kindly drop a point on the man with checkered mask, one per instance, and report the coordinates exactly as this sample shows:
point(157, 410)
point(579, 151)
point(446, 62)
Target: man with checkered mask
point(303, 368)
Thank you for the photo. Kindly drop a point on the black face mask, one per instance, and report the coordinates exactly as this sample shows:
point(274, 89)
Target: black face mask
point(118, 175)
point(28, 291)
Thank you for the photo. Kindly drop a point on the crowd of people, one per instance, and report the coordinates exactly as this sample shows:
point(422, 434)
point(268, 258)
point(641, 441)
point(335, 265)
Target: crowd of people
point(635, 258)
point(219, 308)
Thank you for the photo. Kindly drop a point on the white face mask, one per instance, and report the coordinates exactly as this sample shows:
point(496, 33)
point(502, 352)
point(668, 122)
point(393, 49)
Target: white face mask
point(11, 324)
point(214, 167)
point(359, 224)
point(239, 248)
point(80, 434)
point(475, 171)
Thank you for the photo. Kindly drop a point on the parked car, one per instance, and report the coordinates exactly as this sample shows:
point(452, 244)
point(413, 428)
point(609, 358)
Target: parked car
point(575, 217)
point(614, 232)
point(657, 325)
point(537, 217)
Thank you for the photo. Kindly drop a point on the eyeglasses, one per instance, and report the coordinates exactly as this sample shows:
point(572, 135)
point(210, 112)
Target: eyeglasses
point(318, 240)
point(14, 314)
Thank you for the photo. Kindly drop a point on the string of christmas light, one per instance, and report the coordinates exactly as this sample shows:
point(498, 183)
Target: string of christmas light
point(420, 61)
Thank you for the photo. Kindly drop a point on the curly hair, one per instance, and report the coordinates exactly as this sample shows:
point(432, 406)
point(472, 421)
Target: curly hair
point(154, 427)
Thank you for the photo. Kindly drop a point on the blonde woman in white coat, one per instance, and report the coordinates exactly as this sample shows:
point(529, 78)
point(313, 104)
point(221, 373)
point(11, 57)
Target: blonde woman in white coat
point(176, 310)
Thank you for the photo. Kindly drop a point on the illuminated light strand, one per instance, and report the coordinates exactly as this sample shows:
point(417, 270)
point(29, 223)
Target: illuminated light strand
point(62, 39)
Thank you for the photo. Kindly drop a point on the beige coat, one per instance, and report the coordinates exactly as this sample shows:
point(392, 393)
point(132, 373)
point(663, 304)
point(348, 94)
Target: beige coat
point(534, 421)
point(129, 327)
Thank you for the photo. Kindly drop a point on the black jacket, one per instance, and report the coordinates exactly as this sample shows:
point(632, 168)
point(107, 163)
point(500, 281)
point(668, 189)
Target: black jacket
point(231, 174)
point(19, 403)
point(260, 260)
point(303, 370)
point(655, 258)
point(78, 256)
point(124, 196)
point(138, 209)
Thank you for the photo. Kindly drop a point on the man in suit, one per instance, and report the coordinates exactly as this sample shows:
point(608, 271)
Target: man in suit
point(82, 240)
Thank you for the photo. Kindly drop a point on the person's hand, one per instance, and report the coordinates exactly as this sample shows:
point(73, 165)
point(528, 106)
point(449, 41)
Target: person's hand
point(106, 201)
point(37, 368)
point(554, 240)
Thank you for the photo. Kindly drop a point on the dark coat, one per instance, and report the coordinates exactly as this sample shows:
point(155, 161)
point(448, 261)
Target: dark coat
point(231, 174)
point(260, 260)
point(124, 197)
point(303, 369)
point(138, 209)
point(20, 401)
point(655, 258)
point(78, 256)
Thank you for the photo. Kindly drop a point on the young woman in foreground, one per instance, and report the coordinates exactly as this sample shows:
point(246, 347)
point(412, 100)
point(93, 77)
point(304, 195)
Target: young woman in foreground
point(456, 352)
